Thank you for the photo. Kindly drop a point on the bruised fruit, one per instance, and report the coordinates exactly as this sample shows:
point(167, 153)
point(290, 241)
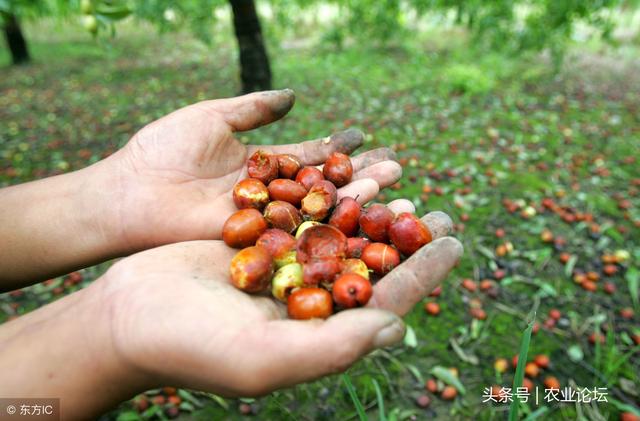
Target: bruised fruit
point(338, 169)
point(355, 245)
point(321, 242)
point(351, 290)
point(356, 266)
point(375, 221)
point(282, 215)
point(285, 280)
point(408, 233)
point(304, 226)
point(250, 193)
point(281, 245)
point(308, 176)
point(243, 228)
point(319, 201)
point(263, 166)
point(309, 303)
point(288, 166)
point(321, 271)
point(251, 269)
point(380, 257)
point(345, 216)
point(287, 191)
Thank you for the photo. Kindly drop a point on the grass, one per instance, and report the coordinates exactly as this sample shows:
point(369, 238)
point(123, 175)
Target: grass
point(472, 129)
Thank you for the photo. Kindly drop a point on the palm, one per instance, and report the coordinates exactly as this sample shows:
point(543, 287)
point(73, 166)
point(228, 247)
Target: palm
point(177, 174)
point(179, 318)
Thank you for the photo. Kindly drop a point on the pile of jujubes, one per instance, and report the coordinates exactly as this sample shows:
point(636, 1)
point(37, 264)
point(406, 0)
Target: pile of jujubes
point(312, 251)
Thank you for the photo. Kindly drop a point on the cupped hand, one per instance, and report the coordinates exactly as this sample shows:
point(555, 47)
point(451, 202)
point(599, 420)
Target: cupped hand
point(176, 319)
point(173, 181)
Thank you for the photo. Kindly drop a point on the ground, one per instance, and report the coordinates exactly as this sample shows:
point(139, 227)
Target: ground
point(539, 171)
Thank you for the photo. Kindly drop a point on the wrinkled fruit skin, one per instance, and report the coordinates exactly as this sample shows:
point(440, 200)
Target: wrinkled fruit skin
point(309, 303)
point(319, 201)
point(282, 215)
point(345, 216)
point(263, 166)
point(356, 266)
point(243, 228)
point(408, 233)
point(287, 191)
point(308, 176)
point(338, 169)
point(251, 269)
point(288, 166)
point(280, 244)
point(321, 271)
point(375, 221)
point(285, 280)
point(380, 257)
point(250, 193)
point(351, 290)
point(321, 242)
point(355, 245)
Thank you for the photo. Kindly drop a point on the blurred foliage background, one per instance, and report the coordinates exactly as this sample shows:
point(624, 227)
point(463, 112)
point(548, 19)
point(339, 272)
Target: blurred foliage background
point(519, 118)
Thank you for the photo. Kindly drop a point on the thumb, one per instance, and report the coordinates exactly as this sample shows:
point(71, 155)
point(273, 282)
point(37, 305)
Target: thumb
point(253, 110)
point(297, 351)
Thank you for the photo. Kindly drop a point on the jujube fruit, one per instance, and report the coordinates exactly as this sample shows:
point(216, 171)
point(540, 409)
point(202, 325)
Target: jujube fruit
point(375, 221)
point(408, 233)
point(287, 191)
point(280, 244)
point(380, 257)
point(304, 226)
point(243, 228)
point(319, 201)
point(345, 216)
point(263, 166)
point(250, 193)
point(351, 290)
point(356, 266)
point(251, 269)
point(288, 166)
point(320, 242)
point(355, 245)
point(338, 169)
point(285, 280)
point(308, 176)
point(321, 271)
point(282, 215)
point(309, 303)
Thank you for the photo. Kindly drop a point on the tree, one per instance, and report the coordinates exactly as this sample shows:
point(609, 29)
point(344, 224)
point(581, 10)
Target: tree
point(15, 39)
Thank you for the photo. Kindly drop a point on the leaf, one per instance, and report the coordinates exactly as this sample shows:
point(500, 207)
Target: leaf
point(354, 397)
point(568, 268)
point(129, 416)
point(469, 358)
point(410, 339)
point(537, 413)
point(623, 406)
point(575, 353)
point(416, 373)
point(633, 279)
point(485, 252)
point(380, 399)
point(446, 376)
point(522, 360)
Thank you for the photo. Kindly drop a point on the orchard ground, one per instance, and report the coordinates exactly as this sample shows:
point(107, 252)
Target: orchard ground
point(539, 170)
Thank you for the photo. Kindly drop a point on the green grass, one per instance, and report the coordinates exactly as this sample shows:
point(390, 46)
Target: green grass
point(516, 130)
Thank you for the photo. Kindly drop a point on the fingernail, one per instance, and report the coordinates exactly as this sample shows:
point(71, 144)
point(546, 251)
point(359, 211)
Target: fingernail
point(390, 334)
point(348, 140)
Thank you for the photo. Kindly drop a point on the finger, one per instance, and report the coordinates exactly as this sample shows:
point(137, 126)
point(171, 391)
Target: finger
point(363, 191)
point(385, 173)
point(439, 224)
point(368, 158)
point(313, 152)
point(316, 348)
point(401, 205)
point(407, 284)
point(250, 111)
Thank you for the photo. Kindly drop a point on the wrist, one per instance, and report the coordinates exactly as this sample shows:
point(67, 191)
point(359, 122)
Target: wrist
point(64, 350)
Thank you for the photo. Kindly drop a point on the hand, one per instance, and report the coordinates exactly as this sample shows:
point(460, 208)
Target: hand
point(177, 318)
point(174, 179)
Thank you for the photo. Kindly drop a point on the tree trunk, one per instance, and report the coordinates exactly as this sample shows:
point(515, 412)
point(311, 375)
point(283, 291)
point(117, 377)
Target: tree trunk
point(15, 39)
point(254, 63)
